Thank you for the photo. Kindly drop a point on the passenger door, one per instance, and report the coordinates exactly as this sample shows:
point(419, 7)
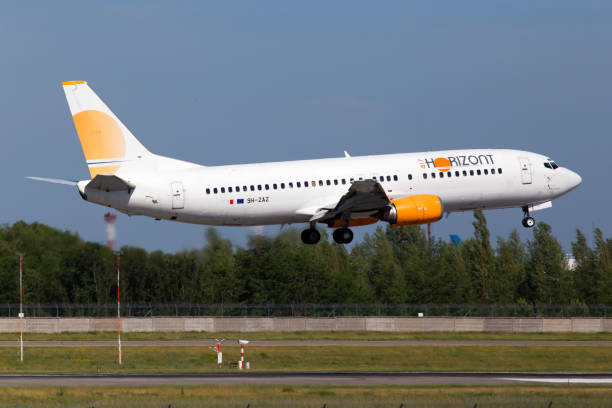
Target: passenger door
point(178, 199)
point(526, 176)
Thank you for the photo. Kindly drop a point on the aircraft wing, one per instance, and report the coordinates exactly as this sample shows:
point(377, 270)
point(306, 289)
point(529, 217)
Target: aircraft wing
point(364, 196)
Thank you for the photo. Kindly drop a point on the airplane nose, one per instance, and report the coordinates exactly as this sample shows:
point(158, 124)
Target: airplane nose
point(574, 180)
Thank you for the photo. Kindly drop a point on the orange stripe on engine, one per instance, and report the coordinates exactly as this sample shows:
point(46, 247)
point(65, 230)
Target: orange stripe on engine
point(355, 222)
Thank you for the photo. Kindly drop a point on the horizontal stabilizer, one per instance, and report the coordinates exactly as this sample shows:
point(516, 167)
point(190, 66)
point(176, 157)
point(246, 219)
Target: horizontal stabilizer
point(54, 180)
point(109, 183)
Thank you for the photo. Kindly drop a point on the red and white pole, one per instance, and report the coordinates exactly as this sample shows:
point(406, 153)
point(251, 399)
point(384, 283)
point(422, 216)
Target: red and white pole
point(21, 305)
point(110, 219)
point(219, 355)
point(118, 311)
point(241, 356)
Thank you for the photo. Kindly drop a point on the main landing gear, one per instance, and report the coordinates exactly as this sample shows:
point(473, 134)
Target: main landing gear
point(528, 222)
point(310, 236)
point(342, 235)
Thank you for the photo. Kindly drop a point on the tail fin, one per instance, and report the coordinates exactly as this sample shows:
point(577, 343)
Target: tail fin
point(106, 142)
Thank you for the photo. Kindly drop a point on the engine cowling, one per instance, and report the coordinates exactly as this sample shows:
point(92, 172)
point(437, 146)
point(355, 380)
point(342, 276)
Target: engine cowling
point(414, 210)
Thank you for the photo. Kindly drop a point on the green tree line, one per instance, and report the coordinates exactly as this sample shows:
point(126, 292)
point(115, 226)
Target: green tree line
point(391, 265)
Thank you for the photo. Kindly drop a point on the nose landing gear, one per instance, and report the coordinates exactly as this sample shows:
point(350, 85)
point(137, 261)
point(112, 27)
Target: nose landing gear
point(528, 221)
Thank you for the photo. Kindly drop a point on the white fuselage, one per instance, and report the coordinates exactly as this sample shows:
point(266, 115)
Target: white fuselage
point(275, 193)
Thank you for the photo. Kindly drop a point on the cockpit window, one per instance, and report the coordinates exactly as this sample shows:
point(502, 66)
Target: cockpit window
point(549, 164)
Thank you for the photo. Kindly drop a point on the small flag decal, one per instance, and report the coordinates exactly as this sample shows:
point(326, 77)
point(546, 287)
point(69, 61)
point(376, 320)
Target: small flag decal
point(240, 201)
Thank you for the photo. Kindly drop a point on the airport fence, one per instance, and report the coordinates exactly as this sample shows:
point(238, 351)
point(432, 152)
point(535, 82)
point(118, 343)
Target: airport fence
point(304, 310)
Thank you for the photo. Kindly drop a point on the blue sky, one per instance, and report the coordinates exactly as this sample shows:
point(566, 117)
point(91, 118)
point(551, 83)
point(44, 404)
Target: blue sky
point(236, 82)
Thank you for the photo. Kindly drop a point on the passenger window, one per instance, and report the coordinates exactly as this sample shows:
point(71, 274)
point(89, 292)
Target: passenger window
point(282, 185)
point(290, 184)
point(465, 172)
point(441, 175)
point(457, 174)
point(229, 189)
point(478, 172)
point(252, 187)
point(433, 175)
point(395, 177)
point(449, 174)
point(267, 186)
point(343, 181)
point(492, 171)
point(320, 182)
point(471, 172)
point(381, 178)
point(215, 190)
point(486, 172)
point(237, 189)
point(360, 178)
point(259, 187)
point(388, 178)
point(352, 179)
point(275, 186)
point(335, 182)
point(424, 175)
point(244, 188)
point(299, 184)
point(328, 182)
point(222, 189)
point(314, 184)
point(499, 171)
point(208, 191)
point(410, 177)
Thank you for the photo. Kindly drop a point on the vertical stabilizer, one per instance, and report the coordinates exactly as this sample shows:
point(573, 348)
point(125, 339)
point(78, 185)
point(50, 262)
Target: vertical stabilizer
point(106, 142)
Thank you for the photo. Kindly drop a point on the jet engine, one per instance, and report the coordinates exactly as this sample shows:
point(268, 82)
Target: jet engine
point(414, 210)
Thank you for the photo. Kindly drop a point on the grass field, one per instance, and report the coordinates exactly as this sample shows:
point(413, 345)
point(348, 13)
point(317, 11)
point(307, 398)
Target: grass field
point(333, 397)
point(308, 335)
point(333, 358)
point(310, 358)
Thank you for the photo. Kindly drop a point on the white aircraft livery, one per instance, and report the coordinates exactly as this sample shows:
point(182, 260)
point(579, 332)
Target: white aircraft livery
point(401, 189)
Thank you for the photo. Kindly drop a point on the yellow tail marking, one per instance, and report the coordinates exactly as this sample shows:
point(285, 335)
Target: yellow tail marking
point(94, 171)
point(73, 82)
point(100, 135)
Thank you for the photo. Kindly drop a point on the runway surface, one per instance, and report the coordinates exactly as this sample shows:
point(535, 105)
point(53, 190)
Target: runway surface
point(306, 378)
point(302, 343)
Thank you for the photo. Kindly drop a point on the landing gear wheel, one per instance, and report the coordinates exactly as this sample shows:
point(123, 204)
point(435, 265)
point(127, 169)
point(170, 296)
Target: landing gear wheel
point(343, 235)
point(310, 236)
point(528, 222)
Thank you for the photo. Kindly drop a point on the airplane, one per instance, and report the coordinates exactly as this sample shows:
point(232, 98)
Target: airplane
point(345, 192)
